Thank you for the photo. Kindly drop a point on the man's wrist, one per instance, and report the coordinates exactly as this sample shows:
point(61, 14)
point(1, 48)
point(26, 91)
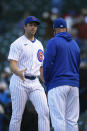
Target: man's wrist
point(17, 72)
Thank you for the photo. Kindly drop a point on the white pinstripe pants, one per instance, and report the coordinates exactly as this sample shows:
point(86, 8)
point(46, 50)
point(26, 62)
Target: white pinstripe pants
point(63, 103)
point(20, 92)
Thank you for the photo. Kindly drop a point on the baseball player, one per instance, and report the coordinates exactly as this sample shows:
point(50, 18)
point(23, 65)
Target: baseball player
point(26, 57)
point(61, 75)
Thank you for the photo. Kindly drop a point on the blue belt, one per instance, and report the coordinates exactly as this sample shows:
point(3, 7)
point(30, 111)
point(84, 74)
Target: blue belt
point(30, 77)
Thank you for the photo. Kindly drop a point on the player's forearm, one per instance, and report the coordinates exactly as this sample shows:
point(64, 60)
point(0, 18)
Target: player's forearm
point(41, 73)
point(14, 67)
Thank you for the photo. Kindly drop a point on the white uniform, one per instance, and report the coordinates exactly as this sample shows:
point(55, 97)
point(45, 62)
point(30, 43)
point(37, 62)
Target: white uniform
point(29, 55)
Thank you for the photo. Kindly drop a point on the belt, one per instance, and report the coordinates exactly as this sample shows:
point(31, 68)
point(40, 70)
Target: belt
point(30, 77)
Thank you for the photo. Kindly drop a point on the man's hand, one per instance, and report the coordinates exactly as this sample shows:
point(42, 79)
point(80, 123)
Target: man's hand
point(21, 74)
point(15, 70)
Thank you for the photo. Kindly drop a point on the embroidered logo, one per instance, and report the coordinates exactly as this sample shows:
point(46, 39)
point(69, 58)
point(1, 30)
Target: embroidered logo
point(61, 25)
point(25, 44)
point(40, 55)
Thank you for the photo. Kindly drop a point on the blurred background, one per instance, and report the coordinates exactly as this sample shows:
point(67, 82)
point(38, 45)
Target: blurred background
point(12, 15)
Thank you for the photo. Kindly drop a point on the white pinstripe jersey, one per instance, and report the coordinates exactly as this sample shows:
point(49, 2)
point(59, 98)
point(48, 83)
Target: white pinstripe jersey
point(28, 54)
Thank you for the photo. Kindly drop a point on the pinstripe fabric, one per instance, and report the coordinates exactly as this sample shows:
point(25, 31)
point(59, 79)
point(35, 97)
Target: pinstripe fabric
point(25, 52)
point(32, 90)
point(19, 98)
point(38, 99)
point(64, 108)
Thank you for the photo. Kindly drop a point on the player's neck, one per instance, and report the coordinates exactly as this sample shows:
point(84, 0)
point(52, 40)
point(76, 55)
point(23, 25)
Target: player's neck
point(31, 38)
point(58, 30)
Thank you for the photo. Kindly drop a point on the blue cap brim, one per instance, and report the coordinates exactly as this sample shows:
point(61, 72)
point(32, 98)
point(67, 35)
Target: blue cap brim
point(32, 19)
point(37, 22)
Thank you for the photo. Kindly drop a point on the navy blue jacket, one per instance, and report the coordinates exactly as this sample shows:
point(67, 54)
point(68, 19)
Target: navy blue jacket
point(61, 62)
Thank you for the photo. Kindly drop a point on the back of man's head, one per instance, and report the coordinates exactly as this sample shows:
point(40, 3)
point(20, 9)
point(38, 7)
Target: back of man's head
point(59, 25)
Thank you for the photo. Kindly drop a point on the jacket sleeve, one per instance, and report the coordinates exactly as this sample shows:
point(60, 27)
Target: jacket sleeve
point(49, 61)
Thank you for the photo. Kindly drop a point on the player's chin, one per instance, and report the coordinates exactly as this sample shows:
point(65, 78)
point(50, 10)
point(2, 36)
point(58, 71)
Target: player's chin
point(33, 33)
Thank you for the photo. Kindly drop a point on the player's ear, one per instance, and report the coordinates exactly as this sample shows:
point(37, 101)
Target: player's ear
point(54, 31)
point(66, 29)
point(25, 25)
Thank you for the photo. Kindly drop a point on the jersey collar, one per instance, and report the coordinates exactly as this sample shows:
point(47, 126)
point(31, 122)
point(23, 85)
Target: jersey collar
point(30, 40)
point(33, 40)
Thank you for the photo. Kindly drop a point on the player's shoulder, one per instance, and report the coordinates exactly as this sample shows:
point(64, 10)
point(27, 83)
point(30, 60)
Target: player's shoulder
point(52, 40)
point(17, 42)
point(39, 43)
point(75, 45)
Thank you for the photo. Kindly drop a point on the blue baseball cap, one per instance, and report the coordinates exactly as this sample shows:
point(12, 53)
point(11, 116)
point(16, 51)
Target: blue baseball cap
point(31, 19)
point(59, 23)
